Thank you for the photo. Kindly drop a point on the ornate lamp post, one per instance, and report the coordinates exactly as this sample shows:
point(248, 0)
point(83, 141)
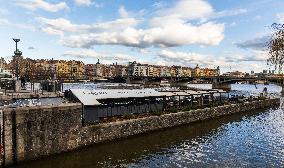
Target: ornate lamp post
point(17, 55)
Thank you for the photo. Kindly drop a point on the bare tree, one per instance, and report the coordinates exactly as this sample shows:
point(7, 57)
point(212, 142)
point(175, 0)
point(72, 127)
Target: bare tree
point(276, 47)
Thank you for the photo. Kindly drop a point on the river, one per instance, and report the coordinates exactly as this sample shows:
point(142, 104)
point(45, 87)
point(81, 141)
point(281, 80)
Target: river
point(251, 139)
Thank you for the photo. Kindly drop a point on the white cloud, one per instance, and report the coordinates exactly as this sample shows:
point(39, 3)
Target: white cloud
point(191, 59)
point(188, 9)
point(169, 27)
point(206, 34)
point(280, 17)
point(256, 66)
point(159, 4)
point(52, 31)
point(102, 56)
point(257, 17)
point(233, 24)
point(258, 43)
point(4, 12)
point(122, 12)
point(227, 13)
point(62, 25)
point(186, 59)
point(41, 4)
point(83, 2)
point(184, 34)
point(4, 21)
point(257, 56)
point(88, 3)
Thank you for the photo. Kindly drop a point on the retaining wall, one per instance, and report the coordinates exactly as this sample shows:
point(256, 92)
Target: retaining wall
point(33, 132)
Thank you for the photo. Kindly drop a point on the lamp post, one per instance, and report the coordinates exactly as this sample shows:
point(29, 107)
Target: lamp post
point(18, 54)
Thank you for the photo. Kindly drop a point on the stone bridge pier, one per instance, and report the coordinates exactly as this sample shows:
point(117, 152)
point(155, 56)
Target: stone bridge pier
point(223, 86)
point(278, 82)
point(217, 84)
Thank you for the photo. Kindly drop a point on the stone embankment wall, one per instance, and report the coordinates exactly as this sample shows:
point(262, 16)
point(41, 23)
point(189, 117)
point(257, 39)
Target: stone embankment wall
point(26, 95)
point(33, 132)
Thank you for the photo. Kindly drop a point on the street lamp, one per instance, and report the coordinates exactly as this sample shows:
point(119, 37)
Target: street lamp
point(16, 40)
point(17, 53)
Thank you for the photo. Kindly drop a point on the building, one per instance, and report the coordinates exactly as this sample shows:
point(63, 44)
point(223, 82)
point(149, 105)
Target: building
point(237, 74)
point(99, 69)
point(4, 73)
point(77, 69)
point(150, 71)
point(156, 71)
point(137, 69)
point(42, 69)
point(89, 71)
point(165, 71)
point(186, 72)
point(179, 71)
point(123, 70)
point(197, 71)
point(62, 69)
point(210, 72)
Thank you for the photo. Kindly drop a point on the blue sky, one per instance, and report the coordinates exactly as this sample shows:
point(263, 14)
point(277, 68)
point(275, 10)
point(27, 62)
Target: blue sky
point(226, 33)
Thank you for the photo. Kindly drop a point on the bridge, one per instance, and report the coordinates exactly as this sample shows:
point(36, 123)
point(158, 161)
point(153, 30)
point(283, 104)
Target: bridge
point(218, 82)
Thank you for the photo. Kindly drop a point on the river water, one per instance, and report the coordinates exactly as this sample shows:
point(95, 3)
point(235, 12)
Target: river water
point(252, 139)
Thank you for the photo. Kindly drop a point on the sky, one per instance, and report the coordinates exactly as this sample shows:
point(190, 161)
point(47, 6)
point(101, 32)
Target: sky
point(228, 33)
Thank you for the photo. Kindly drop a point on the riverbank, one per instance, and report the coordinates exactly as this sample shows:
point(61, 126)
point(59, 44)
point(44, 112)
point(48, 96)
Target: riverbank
point(34, 132)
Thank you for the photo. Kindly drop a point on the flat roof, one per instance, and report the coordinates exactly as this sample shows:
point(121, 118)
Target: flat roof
point(91, 97)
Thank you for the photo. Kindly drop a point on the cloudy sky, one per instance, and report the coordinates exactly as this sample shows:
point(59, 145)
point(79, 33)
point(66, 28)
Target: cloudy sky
point(226, 33)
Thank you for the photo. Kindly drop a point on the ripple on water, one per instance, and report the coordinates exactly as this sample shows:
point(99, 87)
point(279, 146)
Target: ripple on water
point(255, 141)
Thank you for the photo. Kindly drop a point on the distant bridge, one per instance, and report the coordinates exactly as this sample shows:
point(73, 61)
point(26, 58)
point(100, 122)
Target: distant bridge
point(218, 82)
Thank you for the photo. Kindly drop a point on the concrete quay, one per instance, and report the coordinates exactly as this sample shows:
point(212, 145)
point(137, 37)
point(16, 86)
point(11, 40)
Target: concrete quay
point(26, 95)
point(34, 132)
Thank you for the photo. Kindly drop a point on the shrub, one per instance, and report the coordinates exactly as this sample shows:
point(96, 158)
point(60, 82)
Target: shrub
point(128, 116)
point(173, 110)
point(188, 108)
point(157, 113)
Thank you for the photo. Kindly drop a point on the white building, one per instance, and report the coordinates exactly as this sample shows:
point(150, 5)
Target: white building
point(165, 71)
point(136, 69)
point(99, 69)
point(4, 73)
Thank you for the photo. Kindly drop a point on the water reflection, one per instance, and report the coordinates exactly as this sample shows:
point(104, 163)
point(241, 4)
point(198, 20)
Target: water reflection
point(255, 141)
